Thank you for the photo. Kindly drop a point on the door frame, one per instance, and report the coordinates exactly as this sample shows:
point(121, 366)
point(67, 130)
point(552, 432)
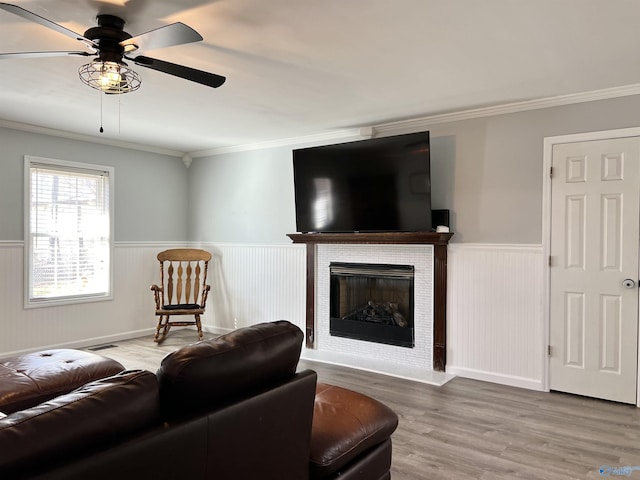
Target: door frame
point(549, 143)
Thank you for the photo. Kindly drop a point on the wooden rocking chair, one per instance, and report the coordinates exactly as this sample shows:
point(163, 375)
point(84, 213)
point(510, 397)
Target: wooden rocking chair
point(182, 290)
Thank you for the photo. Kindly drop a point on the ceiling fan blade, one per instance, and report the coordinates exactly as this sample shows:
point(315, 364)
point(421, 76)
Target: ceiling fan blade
point(174, 34)
point(26, 14)
point(188, 73)
point(4, 56)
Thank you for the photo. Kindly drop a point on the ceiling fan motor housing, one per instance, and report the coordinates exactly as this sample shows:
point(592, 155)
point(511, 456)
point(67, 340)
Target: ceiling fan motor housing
point(108, 35)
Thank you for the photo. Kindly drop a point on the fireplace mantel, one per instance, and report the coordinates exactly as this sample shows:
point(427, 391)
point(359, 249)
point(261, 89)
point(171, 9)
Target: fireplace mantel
point(397, 238)
point(438, 240)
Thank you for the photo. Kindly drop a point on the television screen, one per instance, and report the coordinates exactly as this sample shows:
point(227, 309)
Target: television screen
point(376, 185)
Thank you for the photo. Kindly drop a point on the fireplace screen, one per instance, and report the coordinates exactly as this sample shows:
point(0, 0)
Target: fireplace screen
point(372, 302)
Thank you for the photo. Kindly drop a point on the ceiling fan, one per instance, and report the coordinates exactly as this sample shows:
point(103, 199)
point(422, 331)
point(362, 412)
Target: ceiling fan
point(110, 44)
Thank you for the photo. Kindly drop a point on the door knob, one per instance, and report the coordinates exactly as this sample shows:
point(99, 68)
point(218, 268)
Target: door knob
point(628, 283)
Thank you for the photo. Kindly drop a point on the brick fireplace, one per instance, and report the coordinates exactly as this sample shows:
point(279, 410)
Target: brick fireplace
point(420, 257)
point(425, 252)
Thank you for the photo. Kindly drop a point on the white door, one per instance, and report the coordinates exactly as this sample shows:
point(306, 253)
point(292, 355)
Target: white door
point(594, 249)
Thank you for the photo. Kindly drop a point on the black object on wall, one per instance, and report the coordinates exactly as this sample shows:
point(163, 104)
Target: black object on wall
point(377, 185)
point(440, 217)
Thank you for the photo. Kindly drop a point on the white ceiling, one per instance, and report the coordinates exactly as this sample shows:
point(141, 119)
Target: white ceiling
point(307, 67)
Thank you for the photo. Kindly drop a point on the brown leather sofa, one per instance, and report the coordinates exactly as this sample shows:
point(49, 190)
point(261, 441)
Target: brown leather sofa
point(229, 408)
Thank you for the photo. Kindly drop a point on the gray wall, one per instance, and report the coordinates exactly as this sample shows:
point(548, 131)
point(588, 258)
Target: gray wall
point(151, 200)
point(487, 171)
point(242, 198)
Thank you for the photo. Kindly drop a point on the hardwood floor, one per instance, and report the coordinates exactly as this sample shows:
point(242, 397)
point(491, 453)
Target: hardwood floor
point(469, 429)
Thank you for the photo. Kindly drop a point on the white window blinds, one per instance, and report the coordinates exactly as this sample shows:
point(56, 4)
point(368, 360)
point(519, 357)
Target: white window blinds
point(69, 232)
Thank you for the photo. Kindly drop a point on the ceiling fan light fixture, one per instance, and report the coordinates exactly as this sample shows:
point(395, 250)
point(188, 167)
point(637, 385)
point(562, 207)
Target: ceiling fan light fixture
point(109, 77)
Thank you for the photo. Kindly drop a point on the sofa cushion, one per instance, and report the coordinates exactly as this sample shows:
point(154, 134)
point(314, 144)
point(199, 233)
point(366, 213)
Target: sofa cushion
point(219, 371)
point(95, 415)
point(345, 424)
point(32, 378)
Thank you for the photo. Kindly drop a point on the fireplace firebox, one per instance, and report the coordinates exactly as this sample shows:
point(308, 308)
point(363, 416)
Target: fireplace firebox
point(372, 302)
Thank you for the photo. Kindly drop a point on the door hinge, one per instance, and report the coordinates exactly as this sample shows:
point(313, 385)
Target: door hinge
point(548, 350)
point(550, 261)
point(550, 172)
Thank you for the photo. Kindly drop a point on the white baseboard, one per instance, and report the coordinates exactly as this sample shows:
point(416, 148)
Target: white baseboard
point(407, 372)
point(500, 378)
point(87, 342)
point(95, 341)
point(217, 330)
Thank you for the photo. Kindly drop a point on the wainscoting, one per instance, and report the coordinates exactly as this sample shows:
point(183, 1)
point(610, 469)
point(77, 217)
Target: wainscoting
point(495, 320)
point(256, 283)
point(128, 315)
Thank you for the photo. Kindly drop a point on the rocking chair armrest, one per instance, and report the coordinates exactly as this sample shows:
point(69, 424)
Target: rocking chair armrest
point(205, 294)
point(157, 295)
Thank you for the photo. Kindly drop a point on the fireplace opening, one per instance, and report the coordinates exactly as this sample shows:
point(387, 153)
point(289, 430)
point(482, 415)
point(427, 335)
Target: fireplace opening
point(372, 302)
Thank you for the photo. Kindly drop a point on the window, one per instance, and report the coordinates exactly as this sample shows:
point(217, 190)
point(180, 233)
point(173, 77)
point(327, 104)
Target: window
point(68, 232)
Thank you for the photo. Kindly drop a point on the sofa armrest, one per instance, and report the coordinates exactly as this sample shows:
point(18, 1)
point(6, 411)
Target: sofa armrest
point(346, 426)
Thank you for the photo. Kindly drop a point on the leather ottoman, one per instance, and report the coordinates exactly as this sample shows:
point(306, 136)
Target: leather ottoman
point(29, 379)
point(350, 436)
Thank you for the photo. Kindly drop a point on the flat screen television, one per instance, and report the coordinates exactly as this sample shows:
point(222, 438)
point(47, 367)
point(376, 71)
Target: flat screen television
point(376, 185)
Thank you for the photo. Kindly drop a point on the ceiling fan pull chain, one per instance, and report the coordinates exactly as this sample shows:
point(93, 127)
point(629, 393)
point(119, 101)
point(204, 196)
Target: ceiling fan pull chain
point(101, 129)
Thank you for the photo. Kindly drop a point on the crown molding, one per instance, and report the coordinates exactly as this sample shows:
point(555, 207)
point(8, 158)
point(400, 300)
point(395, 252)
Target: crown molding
point(382, 129)
point(421, 123)
point(504, 109)
point(25, 127)
point(308, 140)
